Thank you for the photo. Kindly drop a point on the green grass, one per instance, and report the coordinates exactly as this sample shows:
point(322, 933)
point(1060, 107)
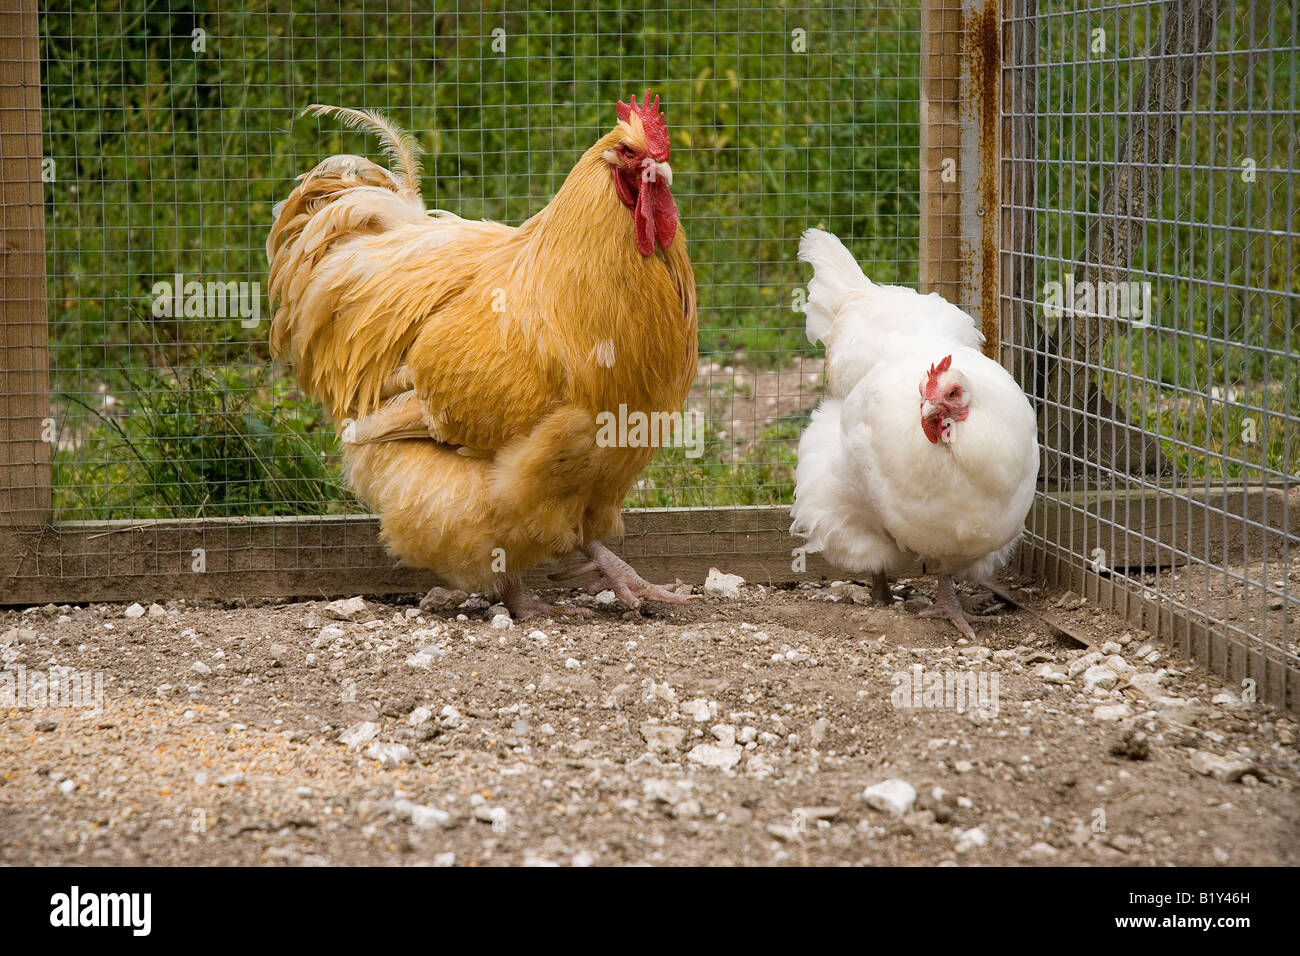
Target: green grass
point(725, 473)
point(203, 443)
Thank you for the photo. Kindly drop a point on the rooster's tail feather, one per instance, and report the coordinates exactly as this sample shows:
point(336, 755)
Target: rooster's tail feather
point(320, 263)
point(400, 147)
point(342, 198)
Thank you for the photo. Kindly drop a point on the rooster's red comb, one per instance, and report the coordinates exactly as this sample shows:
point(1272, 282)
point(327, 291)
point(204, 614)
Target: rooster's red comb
point(656, 129)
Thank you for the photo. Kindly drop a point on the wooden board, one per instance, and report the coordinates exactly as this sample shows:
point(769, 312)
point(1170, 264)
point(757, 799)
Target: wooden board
point(961, 95)
point(339, 556)
point(24, 358)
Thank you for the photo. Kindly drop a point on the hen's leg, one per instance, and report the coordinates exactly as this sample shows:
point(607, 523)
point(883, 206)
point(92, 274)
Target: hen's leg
point(880, 593)
point(947, 606)
point(617, 575)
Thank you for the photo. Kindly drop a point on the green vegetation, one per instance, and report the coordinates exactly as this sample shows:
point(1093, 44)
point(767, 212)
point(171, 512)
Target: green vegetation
point(759, 473)
point(1220, 247)
point(204, 442)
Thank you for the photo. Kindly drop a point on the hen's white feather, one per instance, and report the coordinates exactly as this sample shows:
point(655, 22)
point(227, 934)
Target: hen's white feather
point(859, 321)
point(872, 492)
point(831, 512)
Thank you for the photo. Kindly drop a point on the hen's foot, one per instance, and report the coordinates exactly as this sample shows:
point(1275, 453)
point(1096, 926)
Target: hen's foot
point(880, 593)
point(947, 606)
point(615, 574)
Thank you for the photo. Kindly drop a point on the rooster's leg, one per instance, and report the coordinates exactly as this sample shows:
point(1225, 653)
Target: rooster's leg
point(522, 603)
point(629, 587)
point(880, 593)
point(947, 606)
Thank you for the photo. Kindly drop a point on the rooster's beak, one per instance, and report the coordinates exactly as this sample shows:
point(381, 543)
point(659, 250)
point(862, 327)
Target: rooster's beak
point(652, 171)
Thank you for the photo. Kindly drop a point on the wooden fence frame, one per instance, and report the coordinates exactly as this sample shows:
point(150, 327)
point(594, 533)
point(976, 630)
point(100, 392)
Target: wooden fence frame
point(963, 255)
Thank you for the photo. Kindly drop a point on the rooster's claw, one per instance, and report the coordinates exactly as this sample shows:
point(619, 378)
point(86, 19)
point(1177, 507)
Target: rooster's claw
point(617, 575)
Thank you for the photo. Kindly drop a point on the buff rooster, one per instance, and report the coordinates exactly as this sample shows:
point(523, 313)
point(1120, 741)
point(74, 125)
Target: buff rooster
point(465, 363)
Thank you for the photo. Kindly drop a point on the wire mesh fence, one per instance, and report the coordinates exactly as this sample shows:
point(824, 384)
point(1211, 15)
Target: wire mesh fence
point(1147, 263)
point(172, 130)
point(1152, 190)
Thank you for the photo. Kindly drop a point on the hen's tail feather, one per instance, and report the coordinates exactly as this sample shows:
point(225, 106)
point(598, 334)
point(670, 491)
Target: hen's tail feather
point(836, 274)
point(400, 147)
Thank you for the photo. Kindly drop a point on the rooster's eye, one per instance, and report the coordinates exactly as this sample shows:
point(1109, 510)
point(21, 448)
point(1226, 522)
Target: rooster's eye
point(625, 150)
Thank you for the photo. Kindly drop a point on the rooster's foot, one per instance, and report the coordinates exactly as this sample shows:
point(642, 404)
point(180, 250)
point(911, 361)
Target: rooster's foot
point(947, 606)
point(615, 574)
point(523, 604)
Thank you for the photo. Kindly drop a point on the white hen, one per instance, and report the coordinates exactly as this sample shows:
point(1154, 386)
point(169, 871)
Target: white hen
point(887, 476)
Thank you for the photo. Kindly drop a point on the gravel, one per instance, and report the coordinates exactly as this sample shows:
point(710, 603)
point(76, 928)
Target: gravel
point(677, 739)
point(358, 734)
point(712, 755)
point(1220, 768)
point(891, 796)
point(720, 584)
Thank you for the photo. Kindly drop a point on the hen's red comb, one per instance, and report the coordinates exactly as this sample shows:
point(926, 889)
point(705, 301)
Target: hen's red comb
point(944, 364)
point(656, 129)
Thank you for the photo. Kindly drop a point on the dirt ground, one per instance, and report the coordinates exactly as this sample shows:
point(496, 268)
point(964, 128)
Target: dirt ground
point(1235, 594)
point(730, 731)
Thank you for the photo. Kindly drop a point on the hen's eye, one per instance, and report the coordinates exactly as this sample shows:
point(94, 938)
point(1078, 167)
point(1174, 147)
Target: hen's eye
point(953, 393)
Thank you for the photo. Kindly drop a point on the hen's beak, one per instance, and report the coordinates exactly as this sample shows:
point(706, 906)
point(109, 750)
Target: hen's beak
point(652, 171)
point(929, 409)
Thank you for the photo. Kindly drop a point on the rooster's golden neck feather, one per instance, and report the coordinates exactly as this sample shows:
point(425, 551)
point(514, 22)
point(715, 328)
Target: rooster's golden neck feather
point(598, 294)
